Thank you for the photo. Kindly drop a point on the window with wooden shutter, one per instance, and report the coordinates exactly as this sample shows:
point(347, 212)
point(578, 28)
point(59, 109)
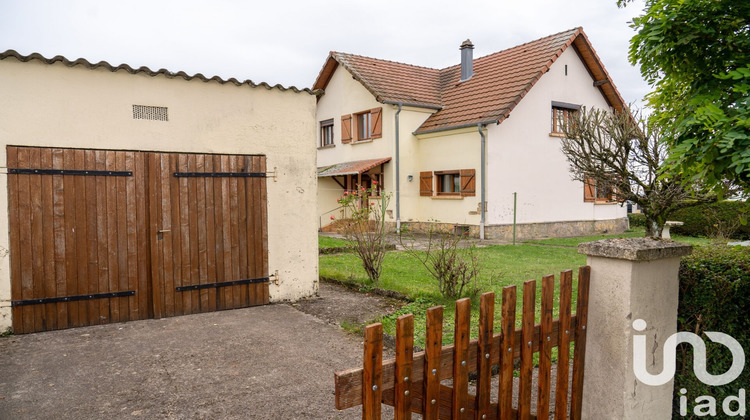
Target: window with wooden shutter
point(377, 123)
point(468, 183)
point(346, 128)
point(425, 184)
point(589, 190)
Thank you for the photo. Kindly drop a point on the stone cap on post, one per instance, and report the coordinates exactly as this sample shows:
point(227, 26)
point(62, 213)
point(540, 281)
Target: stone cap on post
point(635, 249)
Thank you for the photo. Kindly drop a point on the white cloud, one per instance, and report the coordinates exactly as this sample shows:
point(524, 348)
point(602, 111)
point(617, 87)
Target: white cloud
point(283, 41)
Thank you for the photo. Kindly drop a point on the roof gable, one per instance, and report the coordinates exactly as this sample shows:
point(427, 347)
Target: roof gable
point(499, 83)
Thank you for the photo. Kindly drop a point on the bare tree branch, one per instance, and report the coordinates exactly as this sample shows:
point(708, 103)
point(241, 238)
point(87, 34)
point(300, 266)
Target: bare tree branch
point(621, 150)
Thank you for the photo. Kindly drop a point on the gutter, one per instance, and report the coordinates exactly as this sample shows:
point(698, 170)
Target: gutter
point(482, 175)
point(456, 127)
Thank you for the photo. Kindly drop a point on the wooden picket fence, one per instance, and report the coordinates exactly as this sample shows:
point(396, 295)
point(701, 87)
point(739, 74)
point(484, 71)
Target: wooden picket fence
point(412, 381)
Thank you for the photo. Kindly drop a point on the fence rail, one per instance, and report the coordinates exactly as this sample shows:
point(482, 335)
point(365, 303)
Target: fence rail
point(411, 382)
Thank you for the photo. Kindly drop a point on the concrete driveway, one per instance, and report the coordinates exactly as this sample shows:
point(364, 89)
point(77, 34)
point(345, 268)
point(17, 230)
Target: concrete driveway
point(270, 362)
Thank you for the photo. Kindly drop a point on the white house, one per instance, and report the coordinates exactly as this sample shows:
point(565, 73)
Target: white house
point(133, 193)
point(443, 142)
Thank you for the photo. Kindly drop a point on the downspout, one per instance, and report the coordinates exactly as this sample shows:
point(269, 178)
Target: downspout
point(481, 181)
point(398, 174)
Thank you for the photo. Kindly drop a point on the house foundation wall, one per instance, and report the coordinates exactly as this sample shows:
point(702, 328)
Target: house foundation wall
point(526, 231)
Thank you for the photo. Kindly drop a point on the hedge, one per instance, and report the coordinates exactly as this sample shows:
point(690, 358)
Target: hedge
point(700, 220)
point(714, 296)
point(637, 220)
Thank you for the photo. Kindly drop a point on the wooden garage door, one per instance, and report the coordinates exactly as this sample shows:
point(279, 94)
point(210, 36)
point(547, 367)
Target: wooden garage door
point(106, 236)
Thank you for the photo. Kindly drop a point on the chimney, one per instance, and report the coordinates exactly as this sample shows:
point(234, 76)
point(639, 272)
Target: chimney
point(467, 60)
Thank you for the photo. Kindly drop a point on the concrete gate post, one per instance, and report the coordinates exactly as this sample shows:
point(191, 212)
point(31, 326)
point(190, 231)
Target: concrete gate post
point(631, 278)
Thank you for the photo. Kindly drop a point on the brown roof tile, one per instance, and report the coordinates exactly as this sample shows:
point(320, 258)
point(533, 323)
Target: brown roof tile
point(499, 82)
point(350, 168)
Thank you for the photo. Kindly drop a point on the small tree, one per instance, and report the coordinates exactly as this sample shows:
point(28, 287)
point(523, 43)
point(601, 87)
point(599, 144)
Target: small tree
point(621, 151)
point(454, 266)
point(365, 227)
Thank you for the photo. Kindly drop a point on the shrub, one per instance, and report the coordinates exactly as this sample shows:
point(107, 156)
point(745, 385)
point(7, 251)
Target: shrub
point(453, 265)
point(713, 220)
point(365, 228)
point(637, 220)
point(714, 296)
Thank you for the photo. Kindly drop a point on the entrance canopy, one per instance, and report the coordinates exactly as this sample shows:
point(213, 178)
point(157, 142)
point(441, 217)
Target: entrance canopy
point(350, 168)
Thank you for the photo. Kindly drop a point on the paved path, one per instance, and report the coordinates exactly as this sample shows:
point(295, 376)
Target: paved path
point(271, 362)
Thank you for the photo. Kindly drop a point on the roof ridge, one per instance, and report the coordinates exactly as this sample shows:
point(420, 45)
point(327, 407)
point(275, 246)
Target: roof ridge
point(572, 31)
point(144, 69)
point(386, 61)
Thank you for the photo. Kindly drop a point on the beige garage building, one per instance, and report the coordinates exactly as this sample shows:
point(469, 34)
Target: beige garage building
point(134, 194)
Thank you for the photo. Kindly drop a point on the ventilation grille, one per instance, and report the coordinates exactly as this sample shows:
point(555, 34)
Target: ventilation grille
point(156, 113)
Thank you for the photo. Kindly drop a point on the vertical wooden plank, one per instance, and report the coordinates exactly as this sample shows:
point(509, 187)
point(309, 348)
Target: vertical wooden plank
point(527, 350)
point(143, 241)
point(233, 232)
point(201, 223)
point(58, 225)
point(172, 255)
point(192, 209)
point(563, 340)
point(122, 237)
point(218, 187)
point(263, 216)
point(81, 239)
point(16, 288)
point(404, 360)
point(131, 233)
point(243, 166)
point(545, 347)
point(372, 372)
point(505, 393)
point(579, 353)
point(48, 239)
point(37, 246)
point(113, 264)
point(92, 239)
point(102, 251)
point(461, 359)
point(71, 261)
point(211, 251)
point(254, 232)
point(26, 272)
point(433, 349)
point(171, 236)
point(484, 355)
point(226, 235)
point(181, 204)
point(156, 239)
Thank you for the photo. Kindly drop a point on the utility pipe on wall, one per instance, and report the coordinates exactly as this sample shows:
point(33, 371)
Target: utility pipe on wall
point(398, 174)
point(481, 181)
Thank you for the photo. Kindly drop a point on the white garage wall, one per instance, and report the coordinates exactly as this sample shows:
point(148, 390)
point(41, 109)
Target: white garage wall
point(52, 105)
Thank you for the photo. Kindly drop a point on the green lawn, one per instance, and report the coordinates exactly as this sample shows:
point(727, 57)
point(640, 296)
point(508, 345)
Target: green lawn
point(330, 242)
point(502, 265)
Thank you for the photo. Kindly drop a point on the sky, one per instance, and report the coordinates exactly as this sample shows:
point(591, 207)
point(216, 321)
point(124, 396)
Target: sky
point(287, 41)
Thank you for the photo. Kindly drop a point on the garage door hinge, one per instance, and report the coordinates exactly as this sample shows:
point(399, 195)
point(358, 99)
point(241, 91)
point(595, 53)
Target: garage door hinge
point(273, 174)
point(274, 278)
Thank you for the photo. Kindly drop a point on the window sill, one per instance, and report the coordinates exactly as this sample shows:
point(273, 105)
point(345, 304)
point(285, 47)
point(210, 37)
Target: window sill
point(361, 141)
point(604, 203)
point(447, 197)
point(560, 135)
point(330, 146)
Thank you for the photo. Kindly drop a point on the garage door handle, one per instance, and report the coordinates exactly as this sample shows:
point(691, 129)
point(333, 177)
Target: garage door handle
point(163, 230)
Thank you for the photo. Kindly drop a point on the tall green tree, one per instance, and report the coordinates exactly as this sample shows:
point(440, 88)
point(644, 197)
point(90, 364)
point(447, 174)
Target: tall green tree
point(696, 56)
